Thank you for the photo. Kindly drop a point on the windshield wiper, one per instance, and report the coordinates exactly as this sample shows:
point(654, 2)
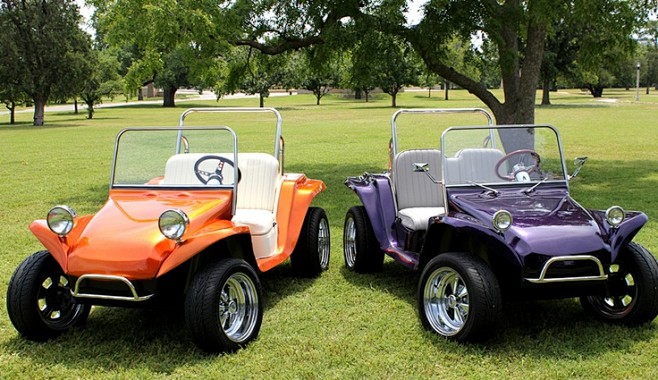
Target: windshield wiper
point(492, 190)
point(530, 190)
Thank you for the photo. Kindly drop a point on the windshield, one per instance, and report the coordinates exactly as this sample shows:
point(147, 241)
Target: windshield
point(502, 155)
point(148, 157)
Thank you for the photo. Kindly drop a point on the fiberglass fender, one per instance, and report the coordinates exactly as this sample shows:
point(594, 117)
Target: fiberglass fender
point(59, 247)
point(376, 195)
point(295, 197)
point(459, 232)
point(620, 236)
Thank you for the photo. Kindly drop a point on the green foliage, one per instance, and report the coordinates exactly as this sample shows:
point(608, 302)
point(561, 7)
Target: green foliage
point(177, 42)
point(252, 72)
point(104, 81)
point(384, 61)
point(45, 37)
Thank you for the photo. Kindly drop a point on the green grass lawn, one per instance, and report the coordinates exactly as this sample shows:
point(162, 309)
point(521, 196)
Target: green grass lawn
point(341, 325)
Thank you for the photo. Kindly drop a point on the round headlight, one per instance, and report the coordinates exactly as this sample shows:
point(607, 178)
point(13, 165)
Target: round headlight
point(173, 224)
point(615, 215)
point(61, 220)
point(502, 220)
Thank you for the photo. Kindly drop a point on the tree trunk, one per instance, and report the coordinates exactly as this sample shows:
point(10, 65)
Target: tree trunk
point(261, 99)
point(75, 106)
point(11, 106)
point(169, 95)
point(446, 87)
point(546, 89)
point(318, 96)
point(596, 90)
point(429, 92)
point(367, 92)
point(39, 110)
point(394, 95)
point(357, 93)
point(90, 110)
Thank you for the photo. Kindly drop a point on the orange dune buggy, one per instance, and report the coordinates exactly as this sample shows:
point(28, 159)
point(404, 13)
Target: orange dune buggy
point(189, 221)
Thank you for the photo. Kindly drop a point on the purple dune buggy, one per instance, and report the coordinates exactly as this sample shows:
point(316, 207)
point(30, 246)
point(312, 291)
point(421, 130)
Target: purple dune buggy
point(489, 216)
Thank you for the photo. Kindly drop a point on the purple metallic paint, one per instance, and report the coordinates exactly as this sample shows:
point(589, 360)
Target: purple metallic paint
point(547, 221)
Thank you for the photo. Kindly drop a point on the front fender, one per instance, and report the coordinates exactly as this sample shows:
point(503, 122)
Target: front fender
point(59, 247)
point(204, 238)
point(619, 237)
point(458, 231)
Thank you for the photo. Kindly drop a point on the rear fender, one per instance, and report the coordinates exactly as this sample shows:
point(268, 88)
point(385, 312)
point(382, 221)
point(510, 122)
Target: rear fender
point(376, 195)
point(295, 197)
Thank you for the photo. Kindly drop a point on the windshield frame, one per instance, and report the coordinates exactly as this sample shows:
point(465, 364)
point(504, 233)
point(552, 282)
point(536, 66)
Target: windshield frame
point(492, 129)
point(177, 133)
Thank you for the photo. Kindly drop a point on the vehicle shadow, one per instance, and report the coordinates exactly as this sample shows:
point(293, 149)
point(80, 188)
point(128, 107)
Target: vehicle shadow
point(536, 329)
point(113, 336)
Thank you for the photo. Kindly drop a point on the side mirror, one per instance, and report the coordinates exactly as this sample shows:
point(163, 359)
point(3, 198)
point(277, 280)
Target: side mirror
point(579, 162)
point(424, 167)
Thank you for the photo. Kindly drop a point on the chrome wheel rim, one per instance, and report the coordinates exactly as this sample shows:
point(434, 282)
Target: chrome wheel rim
point(57, 308)
point(445, 301)
point(238, 307)
point(324, 243)
point(349, 242)
point(623, 284)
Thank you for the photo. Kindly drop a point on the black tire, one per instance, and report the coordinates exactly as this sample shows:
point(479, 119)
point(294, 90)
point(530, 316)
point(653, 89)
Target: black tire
point(632, 287)
point(223, 307)
point(459, 297)
point(311, 255)
point(360, 246)
point(39, 300)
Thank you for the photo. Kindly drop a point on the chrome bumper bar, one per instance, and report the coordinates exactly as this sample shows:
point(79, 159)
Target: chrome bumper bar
point(542, 276)
point(103, 277)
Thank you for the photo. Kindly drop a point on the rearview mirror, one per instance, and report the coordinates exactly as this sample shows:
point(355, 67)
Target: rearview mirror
point(579, 162)
point(424, 167)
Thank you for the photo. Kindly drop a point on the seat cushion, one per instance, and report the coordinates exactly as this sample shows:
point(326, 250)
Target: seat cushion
point(417, 218)
point(259, 221)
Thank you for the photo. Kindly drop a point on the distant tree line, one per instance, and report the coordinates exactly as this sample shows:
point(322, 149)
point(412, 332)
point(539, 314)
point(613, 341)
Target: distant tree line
point(253, 46)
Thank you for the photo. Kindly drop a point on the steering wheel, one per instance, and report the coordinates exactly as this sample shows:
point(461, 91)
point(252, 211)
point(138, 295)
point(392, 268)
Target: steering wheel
point(520, 166)
point(213, 178)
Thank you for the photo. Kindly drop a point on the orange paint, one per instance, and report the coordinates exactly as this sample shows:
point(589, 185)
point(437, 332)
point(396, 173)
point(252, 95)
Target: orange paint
point(123, 238)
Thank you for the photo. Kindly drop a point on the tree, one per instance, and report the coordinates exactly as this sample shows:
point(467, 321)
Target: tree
point(517, 28)
point(178, 41)
point(595, 49)
point(321, 72)
point(46, 37)
point(393, 62)
point(11, 73)
point(254, 73)
point(104, 80)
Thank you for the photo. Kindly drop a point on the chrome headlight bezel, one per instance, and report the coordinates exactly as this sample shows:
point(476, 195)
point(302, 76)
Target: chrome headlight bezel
point(615, 215)
point(61, 220)
point(173, 224)
point(502, 220)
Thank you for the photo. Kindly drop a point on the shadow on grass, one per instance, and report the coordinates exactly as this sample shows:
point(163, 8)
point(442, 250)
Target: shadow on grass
point(539, 329)
point(154, 339)
point(554, 328)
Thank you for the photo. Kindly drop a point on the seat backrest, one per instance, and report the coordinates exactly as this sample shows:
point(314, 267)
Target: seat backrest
point(414, 188)
point(473, 165)
point(259, 186)
point(179, 169)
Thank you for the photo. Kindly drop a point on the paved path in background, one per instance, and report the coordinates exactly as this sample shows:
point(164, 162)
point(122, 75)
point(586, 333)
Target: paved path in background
point(193, 96)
